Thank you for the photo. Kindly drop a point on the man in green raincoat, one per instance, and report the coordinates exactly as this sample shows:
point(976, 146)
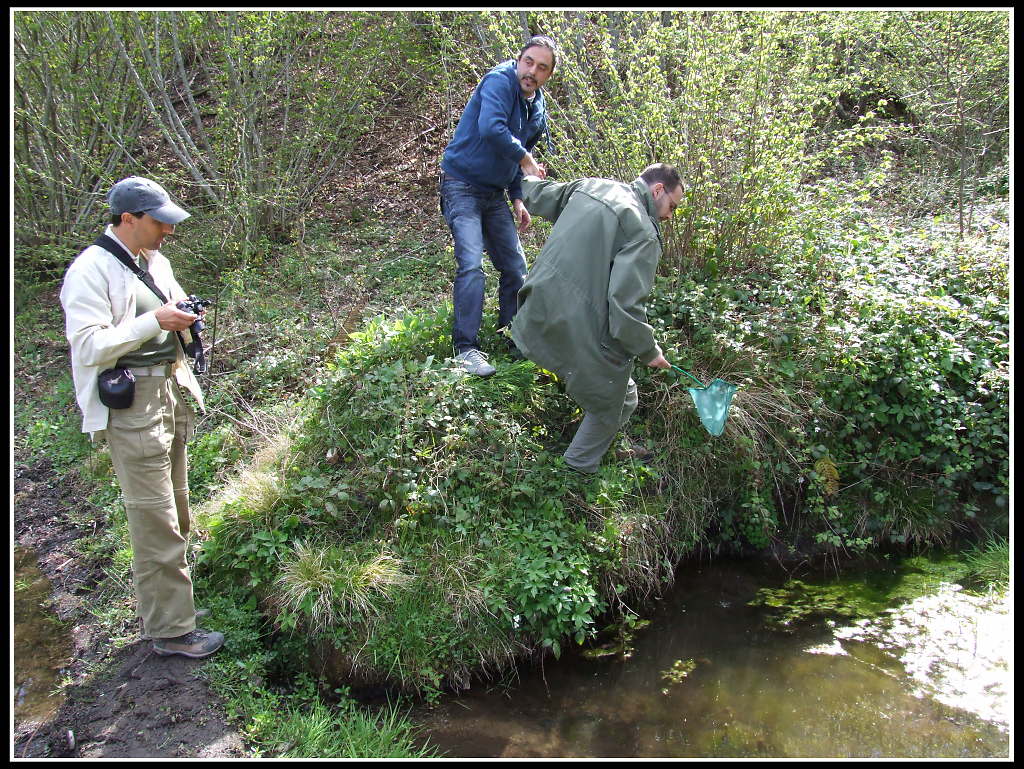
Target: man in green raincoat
point(582, 309)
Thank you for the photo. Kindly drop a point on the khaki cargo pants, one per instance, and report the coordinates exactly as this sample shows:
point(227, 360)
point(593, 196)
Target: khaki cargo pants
point(594, 436)
point(147, 446)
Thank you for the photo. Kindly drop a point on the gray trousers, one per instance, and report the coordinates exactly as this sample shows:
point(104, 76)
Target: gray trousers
point(594, 435)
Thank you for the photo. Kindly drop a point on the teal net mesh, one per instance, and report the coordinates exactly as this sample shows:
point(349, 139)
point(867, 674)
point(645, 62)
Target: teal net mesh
point(712, 402)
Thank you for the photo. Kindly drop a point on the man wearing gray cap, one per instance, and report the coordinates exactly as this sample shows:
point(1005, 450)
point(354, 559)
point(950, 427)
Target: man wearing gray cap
point(115, 321)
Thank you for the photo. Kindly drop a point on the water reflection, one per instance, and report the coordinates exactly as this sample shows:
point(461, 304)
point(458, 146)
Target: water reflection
point(748, 691)
point(41, 646)
point(952, 646)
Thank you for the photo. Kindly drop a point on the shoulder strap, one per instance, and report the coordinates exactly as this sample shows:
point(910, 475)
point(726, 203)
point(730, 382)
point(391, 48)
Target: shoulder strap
point(122, 255)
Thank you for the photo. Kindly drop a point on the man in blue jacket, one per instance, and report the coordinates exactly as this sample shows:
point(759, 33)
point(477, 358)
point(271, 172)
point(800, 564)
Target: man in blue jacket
point(487, 157)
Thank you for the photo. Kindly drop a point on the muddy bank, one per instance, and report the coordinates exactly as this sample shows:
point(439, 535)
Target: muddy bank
point(121, 703)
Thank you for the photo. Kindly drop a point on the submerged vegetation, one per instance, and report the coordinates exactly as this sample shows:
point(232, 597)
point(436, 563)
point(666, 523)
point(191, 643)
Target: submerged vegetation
point(365, 512)
point(869, 591)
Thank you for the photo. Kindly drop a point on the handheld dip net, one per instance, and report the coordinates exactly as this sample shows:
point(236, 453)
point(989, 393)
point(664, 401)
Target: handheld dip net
point(712, 401)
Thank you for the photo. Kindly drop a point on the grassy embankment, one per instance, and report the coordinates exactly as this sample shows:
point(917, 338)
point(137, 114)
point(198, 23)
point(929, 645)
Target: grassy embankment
point(419, 525)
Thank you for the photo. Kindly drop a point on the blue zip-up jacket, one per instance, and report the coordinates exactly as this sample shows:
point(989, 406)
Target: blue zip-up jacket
point(496, 129)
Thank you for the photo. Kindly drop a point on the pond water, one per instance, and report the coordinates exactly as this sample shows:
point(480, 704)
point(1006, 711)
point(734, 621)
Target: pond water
point(738, 661)
point(41, 643)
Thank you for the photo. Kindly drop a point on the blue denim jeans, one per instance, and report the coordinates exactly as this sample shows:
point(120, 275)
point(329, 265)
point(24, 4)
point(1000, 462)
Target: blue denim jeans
point(481, 220)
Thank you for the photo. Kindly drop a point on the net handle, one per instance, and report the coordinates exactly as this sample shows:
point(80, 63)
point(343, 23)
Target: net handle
point(702, 385)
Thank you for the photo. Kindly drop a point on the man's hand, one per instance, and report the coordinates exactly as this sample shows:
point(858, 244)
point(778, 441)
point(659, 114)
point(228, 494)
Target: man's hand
point(659, 362)
point(521, 215)
point(173, 319)
point(530, 166)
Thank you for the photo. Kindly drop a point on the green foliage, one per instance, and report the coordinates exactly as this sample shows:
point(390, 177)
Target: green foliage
point(210, 454)
point(889, 346)
point(295, 720)
point(47, 421)
point(920, 374)
point(927, 389)
point(343, 731)
point(60, 439)
point(988, 564)
point(546, 579)
point(426, 525)
point(247, 554)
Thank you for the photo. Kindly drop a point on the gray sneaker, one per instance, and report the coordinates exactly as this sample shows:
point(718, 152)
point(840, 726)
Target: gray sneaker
point(198, 643)
point(200, 614)
point(475, 362)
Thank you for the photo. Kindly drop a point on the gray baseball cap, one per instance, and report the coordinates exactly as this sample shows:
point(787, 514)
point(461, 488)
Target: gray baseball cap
point(137, 194)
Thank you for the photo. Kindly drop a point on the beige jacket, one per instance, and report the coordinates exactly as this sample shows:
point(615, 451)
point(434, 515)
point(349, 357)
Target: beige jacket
point(98, 296)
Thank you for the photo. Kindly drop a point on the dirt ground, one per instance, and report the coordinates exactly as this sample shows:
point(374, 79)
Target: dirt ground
point(124, 702)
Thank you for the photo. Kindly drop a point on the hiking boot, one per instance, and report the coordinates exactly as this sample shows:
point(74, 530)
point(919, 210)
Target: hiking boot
point(475, 362)
point(199, 643)
point(200, 613)
point(630, 450)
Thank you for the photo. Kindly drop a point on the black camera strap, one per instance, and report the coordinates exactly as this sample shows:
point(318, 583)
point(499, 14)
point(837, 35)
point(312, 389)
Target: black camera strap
point(122, 255)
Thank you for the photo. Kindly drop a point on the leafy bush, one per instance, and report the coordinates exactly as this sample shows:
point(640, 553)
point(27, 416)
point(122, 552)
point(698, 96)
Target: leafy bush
point(889, 349)
point(422, 525)
point(426, 526)
point(210, 454)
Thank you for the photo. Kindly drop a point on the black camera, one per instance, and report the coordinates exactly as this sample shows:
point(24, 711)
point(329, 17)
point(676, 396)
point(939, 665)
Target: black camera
point(195, 305)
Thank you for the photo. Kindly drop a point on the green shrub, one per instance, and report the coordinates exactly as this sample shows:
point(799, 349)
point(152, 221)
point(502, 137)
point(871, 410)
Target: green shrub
point(880, 360)
point(426, 528)
point(210, 454)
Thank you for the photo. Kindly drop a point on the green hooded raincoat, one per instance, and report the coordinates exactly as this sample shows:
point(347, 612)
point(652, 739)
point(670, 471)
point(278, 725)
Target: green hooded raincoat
point(582, 309)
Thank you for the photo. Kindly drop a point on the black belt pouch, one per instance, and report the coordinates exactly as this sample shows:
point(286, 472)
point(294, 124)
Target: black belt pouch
point(117, 388)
